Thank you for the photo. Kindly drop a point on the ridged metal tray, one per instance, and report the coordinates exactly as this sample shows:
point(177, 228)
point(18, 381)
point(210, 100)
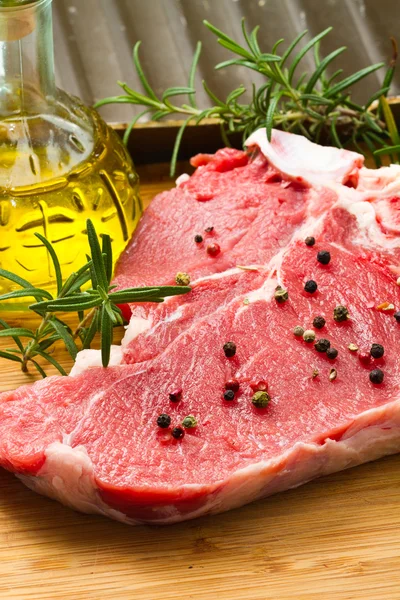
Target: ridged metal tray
point(94, 41)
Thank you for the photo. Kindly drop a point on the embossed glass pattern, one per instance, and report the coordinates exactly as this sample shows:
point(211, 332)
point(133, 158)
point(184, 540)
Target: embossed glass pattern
point(59, 162)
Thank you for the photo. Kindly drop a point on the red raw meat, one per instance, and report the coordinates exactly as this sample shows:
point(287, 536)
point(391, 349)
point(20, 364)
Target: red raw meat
point(91, 440)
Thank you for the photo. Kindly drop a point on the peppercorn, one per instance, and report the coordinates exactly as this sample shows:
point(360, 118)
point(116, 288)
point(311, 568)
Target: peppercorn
point(175, 396)
point(229, 395)
point(189, 422)
point(261, 399)
point(315, 373)
point(397, 316)
point(310, 286)
point(332, 374)
point(319, 322)
point(213, 249)
point(182, 278)
point(332, 353)
point(229, 349)
point(198, 239)
point(259, 386)
point(298, 331)
point(164, 421)
point(340, 313)
point(376, 376)
point(209, 229)
point(232, 384)
point(364, 357)
point(377, 351)
point(309, 241)
point(309, 336)
point(324, 257)
point(280, 295)
point(353, 347)
point(178, 433)
point(322, 345)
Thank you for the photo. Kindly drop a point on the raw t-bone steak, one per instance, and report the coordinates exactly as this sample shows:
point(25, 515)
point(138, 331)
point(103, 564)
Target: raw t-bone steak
point(272, 239)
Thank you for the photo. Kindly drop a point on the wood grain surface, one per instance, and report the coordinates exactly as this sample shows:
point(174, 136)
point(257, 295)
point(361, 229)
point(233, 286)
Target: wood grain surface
point(335, 538)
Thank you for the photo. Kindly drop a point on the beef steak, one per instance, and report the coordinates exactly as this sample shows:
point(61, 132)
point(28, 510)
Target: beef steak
point(92, 441)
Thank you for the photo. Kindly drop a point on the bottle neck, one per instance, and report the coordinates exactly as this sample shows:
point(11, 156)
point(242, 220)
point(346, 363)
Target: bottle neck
point(27, 82)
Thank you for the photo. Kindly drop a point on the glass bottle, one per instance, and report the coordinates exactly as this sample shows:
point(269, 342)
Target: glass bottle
point(59, 162)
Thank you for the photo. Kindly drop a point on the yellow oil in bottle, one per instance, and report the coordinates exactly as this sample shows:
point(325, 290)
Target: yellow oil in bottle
point(60, 164)
point(56, 201)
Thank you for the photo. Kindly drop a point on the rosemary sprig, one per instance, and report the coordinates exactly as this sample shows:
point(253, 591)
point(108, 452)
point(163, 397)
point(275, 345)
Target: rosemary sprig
point(314, 105)
point(96, 306)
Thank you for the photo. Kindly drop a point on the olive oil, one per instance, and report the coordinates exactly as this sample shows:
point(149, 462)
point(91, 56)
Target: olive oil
point(60, 164)
point(56, 201)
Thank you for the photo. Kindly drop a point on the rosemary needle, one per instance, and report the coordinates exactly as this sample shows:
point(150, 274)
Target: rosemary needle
point(96, 306)
point(314, 104)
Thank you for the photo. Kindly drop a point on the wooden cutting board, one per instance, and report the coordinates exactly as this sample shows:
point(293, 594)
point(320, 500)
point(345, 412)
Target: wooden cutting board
point(335, 538)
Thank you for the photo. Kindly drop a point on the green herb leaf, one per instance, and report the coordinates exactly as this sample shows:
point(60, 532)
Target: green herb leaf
point(10, 356)
point(17, 332)
point(106, 337)
point(304, 51)
point(67, 338)
point(54, 258)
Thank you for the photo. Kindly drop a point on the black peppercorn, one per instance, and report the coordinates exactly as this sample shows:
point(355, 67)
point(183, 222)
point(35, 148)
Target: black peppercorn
point(397, 316)
point(332, 353)
point(322, 345)
point(209, 229)
point(229, 349)
point(340, 313)
point(324, 257)
point(198, 239)
point(376, 376)
point(377, 351)
point(164, 421)
point(178, 433)
point(309, 241)
point(229, 395)
point(319, 322)
point(310, 286)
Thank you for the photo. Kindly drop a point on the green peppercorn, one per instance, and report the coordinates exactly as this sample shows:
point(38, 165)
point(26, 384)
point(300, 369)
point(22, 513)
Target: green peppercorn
point(182, 278)
point(340, 313)
point(281, 295)
point(261, 399)
point(189, 422)
point(298, 331)
point(309, 336)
